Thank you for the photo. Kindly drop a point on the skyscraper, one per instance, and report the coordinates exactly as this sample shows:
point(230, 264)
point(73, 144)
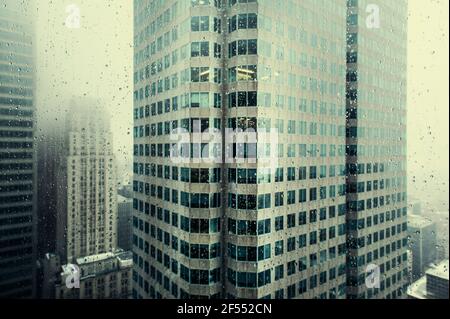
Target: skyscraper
point(243, 228)
point(376, 147)
point(83, 173)
point(86, 197)
point(17, 153)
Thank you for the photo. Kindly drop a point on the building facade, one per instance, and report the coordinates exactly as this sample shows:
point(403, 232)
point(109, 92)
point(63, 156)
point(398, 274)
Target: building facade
point(272, 222)
point(17, 153)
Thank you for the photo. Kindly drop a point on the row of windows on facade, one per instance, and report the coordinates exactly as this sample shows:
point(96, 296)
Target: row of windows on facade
point(291, 244)
point(253, 124)
point(243, 99)
point(264, 175)
point(212, 152)
point(243, 175)
point(240, 73)
point(247, 124)
point(253, 202)
point(248, 280)
point(264, 201)
point(15, 177)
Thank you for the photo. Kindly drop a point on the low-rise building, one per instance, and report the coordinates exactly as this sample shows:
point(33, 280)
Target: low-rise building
point(434, 285)
point(101, 276)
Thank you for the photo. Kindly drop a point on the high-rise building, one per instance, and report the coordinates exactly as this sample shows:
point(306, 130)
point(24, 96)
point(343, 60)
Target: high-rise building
point(422, 243)
point(376, 147)
point(272, 222)
point(81, 192)
point(86, 196)
point(17, 153)
point(78, 165)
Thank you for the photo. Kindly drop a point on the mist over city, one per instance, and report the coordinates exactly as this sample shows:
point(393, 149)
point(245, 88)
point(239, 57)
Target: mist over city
point(99, 200)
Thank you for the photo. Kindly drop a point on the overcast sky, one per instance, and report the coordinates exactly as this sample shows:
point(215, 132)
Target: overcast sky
point(96, 60)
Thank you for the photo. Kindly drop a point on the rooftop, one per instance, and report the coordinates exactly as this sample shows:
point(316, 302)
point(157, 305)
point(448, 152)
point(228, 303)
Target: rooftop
point(123, 199)
point(94, 258)
point(440, 271)
point(418, 290)
point(417, 221)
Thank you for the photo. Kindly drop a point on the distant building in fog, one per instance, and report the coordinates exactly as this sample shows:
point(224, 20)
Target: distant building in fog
point(415, 206)
point(18, 234)
point(124, 226)
point(434, 285)
point(86, 200)
point(81, 197)
point(422, 234)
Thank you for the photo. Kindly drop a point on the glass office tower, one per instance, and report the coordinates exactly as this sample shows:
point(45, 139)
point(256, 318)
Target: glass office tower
point(246, 227)
point(376, 147)
point(17, 153)
point(240, 229)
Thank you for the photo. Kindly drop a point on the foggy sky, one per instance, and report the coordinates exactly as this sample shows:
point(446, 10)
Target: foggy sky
point(97, 60)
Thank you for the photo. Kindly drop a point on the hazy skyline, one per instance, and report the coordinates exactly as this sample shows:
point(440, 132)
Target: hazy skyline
point(96, 60)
